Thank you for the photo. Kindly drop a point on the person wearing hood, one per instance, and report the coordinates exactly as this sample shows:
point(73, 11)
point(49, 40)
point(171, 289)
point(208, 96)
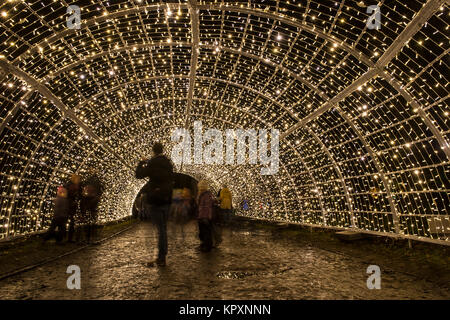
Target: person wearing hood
point(205, 204)
point(226, 203)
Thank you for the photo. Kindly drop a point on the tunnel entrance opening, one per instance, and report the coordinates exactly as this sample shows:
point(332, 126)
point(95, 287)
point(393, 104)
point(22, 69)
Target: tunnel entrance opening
point(181, 181)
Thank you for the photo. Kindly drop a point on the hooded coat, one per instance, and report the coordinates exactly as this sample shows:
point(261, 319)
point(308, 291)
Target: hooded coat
point(160, 186)
point(225, 199)
point(206, 203)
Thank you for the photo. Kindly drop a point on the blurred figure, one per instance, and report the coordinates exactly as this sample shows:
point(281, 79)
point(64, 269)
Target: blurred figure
point(245, 205)
point(140, 207)
point(180, 210)
point(60, 216)
point(175, 207)
point(226, 204)
point(73, 188)
point(205, 203)
point(91, 195)
point(159, 195)
point(186, 207)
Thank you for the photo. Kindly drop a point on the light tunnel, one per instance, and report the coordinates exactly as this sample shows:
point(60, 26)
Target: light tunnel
point(362, 110)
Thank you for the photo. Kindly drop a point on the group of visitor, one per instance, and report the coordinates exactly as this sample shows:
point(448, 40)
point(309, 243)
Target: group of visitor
point(76, 202)
point(163, 202)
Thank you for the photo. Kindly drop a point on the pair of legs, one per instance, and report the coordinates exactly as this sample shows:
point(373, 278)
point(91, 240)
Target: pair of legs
point(72, 214)
point(91, 228)
point(89, 214)
point(226, 215)
point(57, 223)
point(159, 215)
point(209, 233)
point(205, 234)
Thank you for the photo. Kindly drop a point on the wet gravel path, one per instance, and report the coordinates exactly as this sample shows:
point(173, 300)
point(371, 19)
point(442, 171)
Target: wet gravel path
point(250, 264)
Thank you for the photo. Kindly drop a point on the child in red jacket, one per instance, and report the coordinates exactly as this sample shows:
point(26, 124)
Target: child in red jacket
point(60, 216)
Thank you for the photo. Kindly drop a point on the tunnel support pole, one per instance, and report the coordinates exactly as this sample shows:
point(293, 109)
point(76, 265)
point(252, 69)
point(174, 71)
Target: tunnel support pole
point(195, 26)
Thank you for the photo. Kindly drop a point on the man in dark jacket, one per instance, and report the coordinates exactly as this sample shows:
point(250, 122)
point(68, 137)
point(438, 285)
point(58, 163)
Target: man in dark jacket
point(158, 194)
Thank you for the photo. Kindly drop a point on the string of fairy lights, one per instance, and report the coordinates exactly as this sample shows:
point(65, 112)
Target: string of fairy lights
point(375, 158)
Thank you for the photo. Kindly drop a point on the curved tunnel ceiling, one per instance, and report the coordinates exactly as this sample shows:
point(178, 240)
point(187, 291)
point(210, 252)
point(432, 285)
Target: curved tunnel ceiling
point(363, 113)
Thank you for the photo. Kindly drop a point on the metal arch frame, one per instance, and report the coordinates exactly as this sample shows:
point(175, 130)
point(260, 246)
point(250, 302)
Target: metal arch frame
point(424, 14)
point(166, 127)
point(181, 76)
point(377, 69)
point(256, 12)
point(11, 113)
point(323, 96)
point(237, 52)
point(233, 124)
point(380, 170)
point(284, 70)
point(8, 230)
point(194, 99)
point(340, 175)
point(205, 116)
point(349, 203)
point(314, 181)
point(55, 169)
point(429, 123)
point(308, 84)
point(344, 186)
point(195, 28)
point(67, 113)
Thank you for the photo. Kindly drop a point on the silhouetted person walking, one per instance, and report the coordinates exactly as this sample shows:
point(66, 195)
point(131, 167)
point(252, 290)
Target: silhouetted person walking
point(158, 194)
point(206, 232)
